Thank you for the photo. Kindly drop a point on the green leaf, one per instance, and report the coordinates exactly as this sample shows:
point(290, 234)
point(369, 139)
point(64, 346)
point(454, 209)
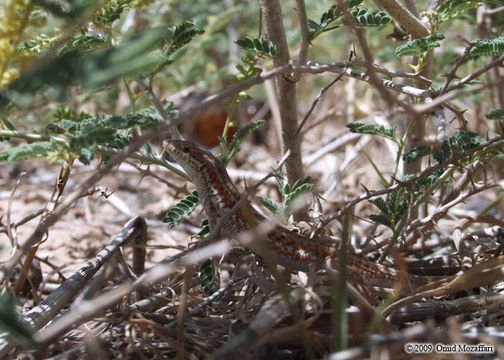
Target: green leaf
point(380, 219)
point(391, 210)
point(353, 3)
point(8, 125)
point(380, 204)
point(270, 204)
point(420, 46)
point(83, 131)
point(208, 278)
point(329, 16)
point(86, 155)
point(454, 8)
point(398, 204)
point(131, 57)
point(365, 18)
point(494, 47)
point(416, 153)
point(121, 141)
point(443, 154)
point(205, 228)
point(181, 35)
point(38, 44)
point(259, 45)
point(466, 140)
point(91, 138)
point(366, 128)
point(28, 151)
point(10, 322)
point(279, 179)
point(181, 210)
point(110, 12)
point(82, 42)
point(66, 8)
point(495, 114)
point(313, 25)
point(286, 189)
point(295, 193)
point(100, 68)
point(300, 182)
point(241, 135)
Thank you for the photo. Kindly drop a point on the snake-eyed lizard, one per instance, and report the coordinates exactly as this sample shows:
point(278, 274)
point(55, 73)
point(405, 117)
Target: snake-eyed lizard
point(218, 195)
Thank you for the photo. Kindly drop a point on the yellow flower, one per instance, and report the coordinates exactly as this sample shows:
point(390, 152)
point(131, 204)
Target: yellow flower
point(13, 15)
point(8, 77)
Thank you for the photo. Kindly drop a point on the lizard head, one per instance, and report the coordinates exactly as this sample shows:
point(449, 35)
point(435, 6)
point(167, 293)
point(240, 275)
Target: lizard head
point(209, 175)
point(193, 158)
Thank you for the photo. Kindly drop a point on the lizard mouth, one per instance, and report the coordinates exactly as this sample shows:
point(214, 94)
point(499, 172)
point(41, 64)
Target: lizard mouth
point(168, 149)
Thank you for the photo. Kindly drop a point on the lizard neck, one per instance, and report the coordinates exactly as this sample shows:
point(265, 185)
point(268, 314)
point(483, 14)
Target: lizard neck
point(216, 191)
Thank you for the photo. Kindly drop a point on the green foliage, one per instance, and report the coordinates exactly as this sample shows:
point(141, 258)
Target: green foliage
point(364, 18)
point(68, 9)
point(495, 114)
point(144, 119)
point(83, 42)
point(454, 8)
point(84, 134)
point(97, 69)
point(416, 153)
point(392, 210)
point(35, 46)
point(367, 128)
point(260, 46)
point(10, 322)
point(460, 141)
point(63, 113)
point(28, 151)
point(247, 69)
point(181, 210)
point(205, 228)
point(289, 194)
point(325, 20)
point(466, 140)
point(494, 47)
point(299, 188)
point(332, 19)
point(422, 184)
point(177, 37)
point(441, 155)
point(110, 12)
point(208, 277)
point(7, 124)
point(229, 151)
point(270, 204)
point(444, 153)
point(419, 47)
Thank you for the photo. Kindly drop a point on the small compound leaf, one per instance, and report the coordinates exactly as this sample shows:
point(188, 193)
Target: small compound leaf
point(495, 114)
point(420, 46)
point(367, 128)
point(181, 210)
point(28, 151)
point(466, 140)
point(416, 153)
point(494, 47)
point(270, 204)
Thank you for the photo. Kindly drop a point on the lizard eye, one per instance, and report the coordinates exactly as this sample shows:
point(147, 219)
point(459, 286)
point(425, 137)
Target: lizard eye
point(185, 149)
